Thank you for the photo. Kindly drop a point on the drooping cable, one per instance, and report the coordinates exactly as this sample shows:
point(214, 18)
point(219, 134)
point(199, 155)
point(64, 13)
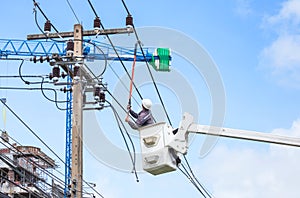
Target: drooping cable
point(32, 76)
point(195, 178)
point(55, 96)
point(105, 58)
point(40, 9)
point(37, 24)
point(133, 158)
point(186, 174)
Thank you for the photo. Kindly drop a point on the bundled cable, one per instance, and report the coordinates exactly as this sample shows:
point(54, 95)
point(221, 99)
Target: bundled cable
point(133, 158)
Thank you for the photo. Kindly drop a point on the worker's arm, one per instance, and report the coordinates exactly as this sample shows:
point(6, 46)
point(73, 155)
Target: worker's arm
point(134, 114)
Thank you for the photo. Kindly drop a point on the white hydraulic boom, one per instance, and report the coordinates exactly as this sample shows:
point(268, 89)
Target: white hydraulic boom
point(160, 143)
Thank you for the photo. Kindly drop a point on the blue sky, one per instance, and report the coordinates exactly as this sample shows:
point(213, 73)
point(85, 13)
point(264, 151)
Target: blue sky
point(255, 46)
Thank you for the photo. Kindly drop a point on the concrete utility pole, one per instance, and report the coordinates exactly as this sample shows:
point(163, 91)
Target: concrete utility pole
point(77, 88)
point(77, 134)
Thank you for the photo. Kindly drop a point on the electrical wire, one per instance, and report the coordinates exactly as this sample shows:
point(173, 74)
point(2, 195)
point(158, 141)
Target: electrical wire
point(14, 183)
point(125, 6)
point(11, 163)
point(34, 10)
point(93, 8)
point(149, 70)
point(125, 86)
point(10, 137)
point(105, 58)
point(55, 95)
point(195, 178)
point(25, 81)
point(73, 11)
point(191, 177)
point(186, 174)
point(35, 134)
point(89, 185)
point(34, 163)
point(40, 89)
point(119, 120)
point(115, 50)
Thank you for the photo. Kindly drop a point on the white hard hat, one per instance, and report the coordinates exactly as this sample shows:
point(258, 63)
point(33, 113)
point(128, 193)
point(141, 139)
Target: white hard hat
point(146, 103)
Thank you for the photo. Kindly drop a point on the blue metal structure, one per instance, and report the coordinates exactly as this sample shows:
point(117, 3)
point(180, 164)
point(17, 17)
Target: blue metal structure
point(68, 154)
point(10, 47)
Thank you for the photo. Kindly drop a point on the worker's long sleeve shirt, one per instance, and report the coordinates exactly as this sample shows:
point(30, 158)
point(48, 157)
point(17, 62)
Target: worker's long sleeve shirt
point(143, 118)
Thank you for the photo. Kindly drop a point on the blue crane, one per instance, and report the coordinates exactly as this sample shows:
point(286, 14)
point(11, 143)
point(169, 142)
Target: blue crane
point(160, 59)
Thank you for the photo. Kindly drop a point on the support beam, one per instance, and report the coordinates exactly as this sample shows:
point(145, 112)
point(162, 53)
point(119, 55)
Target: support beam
point(85, 33)
point(244, 135)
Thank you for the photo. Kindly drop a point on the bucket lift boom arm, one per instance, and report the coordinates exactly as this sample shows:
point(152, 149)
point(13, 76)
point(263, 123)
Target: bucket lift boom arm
point(180, 140)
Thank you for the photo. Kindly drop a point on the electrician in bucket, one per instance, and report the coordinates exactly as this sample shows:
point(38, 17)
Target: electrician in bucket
point(143, 118)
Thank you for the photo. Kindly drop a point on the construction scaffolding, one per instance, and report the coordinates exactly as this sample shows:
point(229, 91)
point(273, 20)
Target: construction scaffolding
point(24, 172)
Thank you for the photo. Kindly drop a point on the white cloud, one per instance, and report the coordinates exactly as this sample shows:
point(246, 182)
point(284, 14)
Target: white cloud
point(271, 171)
point(282, 56)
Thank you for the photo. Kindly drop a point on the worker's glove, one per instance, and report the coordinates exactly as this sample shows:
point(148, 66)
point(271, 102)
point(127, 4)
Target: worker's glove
point(128, 107)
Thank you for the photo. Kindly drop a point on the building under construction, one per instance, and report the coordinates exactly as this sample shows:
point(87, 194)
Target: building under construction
point(25, 171)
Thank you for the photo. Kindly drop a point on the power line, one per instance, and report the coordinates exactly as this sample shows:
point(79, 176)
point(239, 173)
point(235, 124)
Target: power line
point(14, 183)
point(31, 131)
point(186, 174)
point(115, 50)
point(10, 137)
point(115, 73)
point(40, 9)
point(73, 11)
point(119, 120)
point(195, 178)
point(33, 162)
point(149, 70)
point(93, 8)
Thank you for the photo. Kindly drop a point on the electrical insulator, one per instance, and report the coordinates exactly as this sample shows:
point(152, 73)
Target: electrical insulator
point(129, 21)
point(63, 75)
point(41, 59)
point(97, 90)
point(63, 89)
point(102, 96)
point(33, 59)
point(70, 48)
point(70, 45)
point(50, 76)
point(76, 72)
point(48, 59)
point(55, 73)
point(97, 23)
point(47, 27)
